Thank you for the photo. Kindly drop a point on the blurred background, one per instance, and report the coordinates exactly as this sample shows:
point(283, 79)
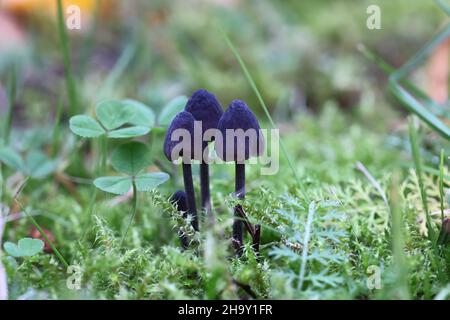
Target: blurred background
point(302, 54)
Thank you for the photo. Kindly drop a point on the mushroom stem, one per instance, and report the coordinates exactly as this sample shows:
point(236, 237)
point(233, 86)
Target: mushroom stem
point(189, 188)
point(204, 188)
point(240, 194)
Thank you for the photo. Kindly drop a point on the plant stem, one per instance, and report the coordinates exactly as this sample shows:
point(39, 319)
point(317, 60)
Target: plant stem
point(133, 214)
point(103, 154)
point(441, 184)
point(70, 81)
point(56, 128)
point(418, 166)
point(89, 211)
point(240, 194)
point(190, 193)
point(43, 234)
point(12, 88)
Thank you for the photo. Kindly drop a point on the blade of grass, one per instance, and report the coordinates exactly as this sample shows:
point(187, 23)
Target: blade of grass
point(435, 258)
point(117, 71)
point(89, 211)
point(398, 243)
point(69, 77)
point(429, 170)
point(445, 7)
point(44, 235)
point(265, 109)
point(57, 128)
point(389, 69)
point(418, 166)
point(12, 88)
point(36, 224)
point(306, 238)
point(441, 184)
point(406, 98)
point(374, 182)
point(418, 109)
point(89, 41)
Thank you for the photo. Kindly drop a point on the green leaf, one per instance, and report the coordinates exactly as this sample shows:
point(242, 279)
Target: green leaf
point(130, 158)
point(149, 181)
point(115, 185)
point(12, 249)
point(26, 247)
point(129, 132)
point(143, 115)
point(113, 114)
point(12, 159)
point(171, 109)
point(85, 127)
point(38, 165)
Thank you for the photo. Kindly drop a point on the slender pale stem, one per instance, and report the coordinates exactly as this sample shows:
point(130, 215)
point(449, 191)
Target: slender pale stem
point(70, 80)
point(190, 193)
point(103, 141)
point(133, 214)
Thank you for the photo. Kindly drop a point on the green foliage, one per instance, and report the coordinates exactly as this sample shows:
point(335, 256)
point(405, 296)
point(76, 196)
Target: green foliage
point(26, 247)
point(171, 109)
point(131, 158)
point(35, 164)
point(324, 223)
point(112, 115)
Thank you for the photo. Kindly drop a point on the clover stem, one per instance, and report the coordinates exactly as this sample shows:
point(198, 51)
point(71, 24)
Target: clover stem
point(104, 151)
point(133, 213)
point(189, 188)
point(240, 194)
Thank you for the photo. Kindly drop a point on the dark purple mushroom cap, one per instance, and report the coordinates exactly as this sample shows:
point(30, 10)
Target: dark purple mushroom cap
point(183, 120)
point(248, 142)
point(204, 106)
point(180, 200)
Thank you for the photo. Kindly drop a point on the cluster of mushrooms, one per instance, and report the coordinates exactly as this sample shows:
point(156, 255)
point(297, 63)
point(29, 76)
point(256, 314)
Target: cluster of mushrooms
point(204, 107)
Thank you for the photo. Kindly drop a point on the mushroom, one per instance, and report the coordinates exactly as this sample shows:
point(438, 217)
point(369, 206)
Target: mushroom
point(241, 140)
point(172, 145)
point(205, 108)
point(179, 199)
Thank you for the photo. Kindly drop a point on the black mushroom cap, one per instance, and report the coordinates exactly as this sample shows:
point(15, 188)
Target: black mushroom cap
point(204, 106)
point(248, 142)
point(183, 120)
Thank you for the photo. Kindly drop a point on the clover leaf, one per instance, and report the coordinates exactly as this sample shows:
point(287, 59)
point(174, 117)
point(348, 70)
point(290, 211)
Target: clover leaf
point(112, 118)
point(171, 109)
point(130, 159)
point(26, 247)
point(35, 164)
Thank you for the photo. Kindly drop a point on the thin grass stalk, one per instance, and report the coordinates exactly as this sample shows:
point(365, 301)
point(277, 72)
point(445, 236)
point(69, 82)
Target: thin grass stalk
point(418, 167)
point(306, 239)
point(57, 128)
point(69, 77)
point(441, 184)
point(398, 243)
point(12, 89)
